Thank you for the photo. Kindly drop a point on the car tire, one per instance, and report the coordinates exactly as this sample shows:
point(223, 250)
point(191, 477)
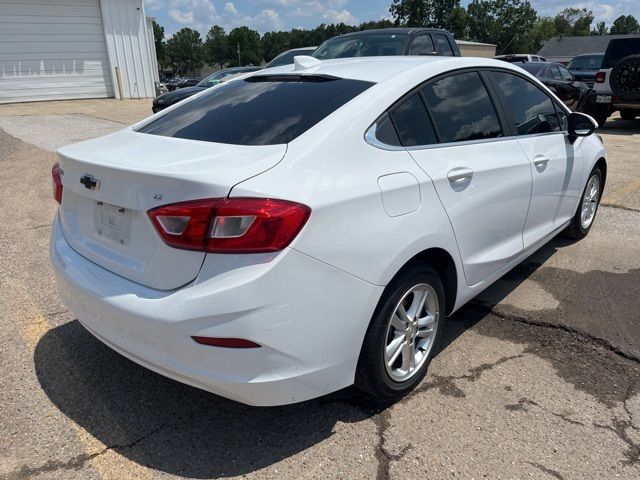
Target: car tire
point(378, 375)
point(628, 114)
point(584, 217)
point(625, 78)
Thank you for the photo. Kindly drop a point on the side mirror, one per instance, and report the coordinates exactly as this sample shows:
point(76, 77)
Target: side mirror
point(580, 125)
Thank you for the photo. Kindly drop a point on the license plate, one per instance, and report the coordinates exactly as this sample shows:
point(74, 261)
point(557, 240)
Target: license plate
point(603, 98)
point(113, 222)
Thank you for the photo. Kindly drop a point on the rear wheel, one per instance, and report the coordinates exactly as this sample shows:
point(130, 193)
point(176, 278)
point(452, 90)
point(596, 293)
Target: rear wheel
point(406, 327)
point(628, 114)
point(586, 212)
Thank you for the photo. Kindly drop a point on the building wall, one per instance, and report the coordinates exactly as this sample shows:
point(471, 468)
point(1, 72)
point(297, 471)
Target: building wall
point(52, 50)
point(129, 48)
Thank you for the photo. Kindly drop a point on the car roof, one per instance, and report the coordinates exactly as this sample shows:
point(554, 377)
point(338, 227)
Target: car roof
point(406, 30)
point(380, 69)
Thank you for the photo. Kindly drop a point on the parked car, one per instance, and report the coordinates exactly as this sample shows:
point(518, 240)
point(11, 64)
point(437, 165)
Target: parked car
point(520, 58)
point(584, 67)
point(230, 245)
point(560, 81)
point(389, 41)
point(172, 84)
point(286, 58)
point(617, 84)
point(188, 82)
point(166, 100)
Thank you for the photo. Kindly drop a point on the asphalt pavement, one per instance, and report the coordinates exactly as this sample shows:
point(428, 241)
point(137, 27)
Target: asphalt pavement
point(538, 378)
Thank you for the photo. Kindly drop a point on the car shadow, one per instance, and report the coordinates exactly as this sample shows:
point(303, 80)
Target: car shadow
point(171, 427)
point(617, 126)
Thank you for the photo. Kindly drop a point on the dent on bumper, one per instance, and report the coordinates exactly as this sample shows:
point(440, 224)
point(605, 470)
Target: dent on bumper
point(309, 317)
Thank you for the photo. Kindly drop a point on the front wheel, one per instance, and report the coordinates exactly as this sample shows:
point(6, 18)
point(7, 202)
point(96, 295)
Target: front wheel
point(404, 330)
point(586, 212)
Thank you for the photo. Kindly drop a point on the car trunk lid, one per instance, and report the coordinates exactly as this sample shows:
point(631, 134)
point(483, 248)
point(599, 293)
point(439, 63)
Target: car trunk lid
point(111, 182)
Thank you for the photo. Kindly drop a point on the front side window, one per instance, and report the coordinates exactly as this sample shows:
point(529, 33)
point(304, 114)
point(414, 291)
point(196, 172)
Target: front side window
point(565, 74)
point(259, 110)
point(412, 122)
point(422, 45)
point(462, 108)
point(531, 109)
point(443, 45)
point(555, 72)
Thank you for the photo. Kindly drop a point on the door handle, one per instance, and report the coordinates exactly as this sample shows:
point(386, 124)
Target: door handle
point(459, 175)
point(540, 163)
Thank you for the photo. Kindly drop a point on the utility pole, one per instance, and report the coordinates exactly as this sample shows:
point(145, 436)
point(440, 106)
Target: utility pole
point(238, 53)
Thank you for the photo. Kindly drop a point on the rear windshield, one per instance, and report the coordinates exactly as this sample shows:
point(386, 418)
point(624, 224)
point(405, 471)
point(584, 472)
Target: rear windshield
point(364, 45)
point(260, 110)
point(532, 68)
point(618, 49)
point(586, 62)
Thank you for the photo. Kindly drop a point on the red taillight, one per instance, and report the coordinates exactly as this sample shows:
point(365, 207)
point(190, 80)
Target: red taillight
point(226, 342)
point(600, 76)
point(230, 225)
point(56, 182)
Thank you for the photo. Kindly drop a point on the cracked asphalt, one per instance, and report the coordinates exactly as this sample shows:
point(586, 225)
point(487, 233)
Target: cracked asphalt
point(537, 379)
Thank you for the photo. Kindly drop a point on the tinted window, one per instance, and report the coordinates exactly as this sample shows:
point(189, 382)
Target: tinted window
point(565, 74)
point(531, 109)
point(412, 122)
point(618, 49)
point(362, 45)
point(443, 45)
point(534, 69)
point(554, 72)
point(462, 109)
point(386, 133)
point(586, 62)
point(262, 110)
point(422, 45)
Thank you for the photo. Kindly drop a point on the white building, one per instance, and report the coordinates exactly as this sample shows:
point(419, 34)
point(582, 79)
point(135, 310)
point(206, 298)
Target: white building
point(66, 49)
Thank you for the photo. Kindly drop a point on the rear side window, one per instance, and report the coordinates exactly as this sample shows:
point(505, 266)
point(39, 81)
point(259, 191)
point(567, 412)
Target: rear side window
point(444, 48)
point(531, 109)
point(422, 45)
point(555, 72)
point(461, 108)
point(412, 122)
point(261, 110)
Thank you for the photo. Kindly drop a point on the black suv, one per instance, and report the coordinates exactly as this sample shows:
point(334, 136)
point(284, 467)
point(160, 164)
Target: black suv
point(389, 41)
point(617, 83)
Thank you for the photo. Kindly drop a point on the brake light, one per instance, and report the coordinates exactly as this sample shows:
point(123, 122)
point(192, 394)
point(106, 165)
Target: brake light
point(600, 76)
point(56, 182)
point(230, 225)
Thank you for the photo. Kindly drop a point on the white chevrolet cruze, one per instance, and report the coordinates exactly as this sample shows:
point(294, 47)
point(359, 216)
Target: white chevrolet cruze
point(296, 231)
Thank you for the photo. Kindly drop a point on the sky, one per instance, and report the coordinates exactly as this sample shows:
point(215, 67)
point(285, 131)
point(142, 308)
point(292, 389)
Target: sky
point(268, 15)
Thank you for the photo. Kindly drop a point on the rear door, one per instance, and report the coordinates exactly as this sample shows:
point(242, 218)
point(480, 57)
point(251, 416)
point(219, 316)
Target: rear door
point(542, 136)
point(481, 175)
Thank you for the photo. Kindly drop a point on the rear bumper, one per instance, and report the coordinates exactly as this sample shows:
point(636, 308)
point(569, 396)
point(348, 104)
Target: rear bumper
point(309, 317)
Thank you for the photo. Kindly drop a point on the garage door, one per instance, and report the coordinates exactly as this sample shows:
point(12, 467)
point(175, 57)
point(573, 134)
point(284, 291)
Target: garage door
point(52, 50)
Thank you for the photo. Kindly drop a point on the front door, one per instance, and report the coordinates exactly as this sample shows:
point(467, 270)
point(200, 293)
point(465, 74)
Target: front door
point(482, 178)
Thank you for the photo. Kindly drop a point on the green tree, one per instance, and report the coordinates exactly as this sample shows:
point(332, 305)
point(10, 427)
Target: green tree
point(625, 24)
point(273, 44)
point(161, 50)
point(248, 41)
point(601, 29)
point(507, 23)
point(216, 47)
point(543, 29)
point(447, 14)
point(574, 21)
point(185, 52)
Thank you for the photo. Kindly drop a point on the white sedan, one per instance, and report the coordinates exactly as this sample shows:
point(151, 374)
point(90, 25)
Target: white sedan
point(290, 233)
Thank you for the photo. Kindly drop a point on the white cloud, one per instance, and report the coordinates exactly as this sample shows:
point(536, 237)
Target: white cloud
point(229, 7)
point(268, 19)
point(153, 4)
point(343, 16)
point(181, 17)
